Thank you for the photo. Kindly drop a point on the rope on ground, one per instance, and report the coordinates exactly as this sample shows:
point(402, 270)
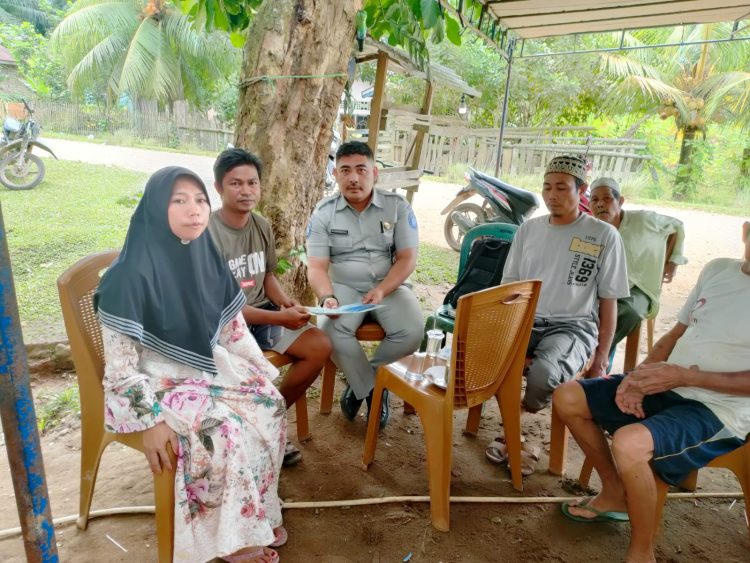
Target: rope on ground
point(368, 501)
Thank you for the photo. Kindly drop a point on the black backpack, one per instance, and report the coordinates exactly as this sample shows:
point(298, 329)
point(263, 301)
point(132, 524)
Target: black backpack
point(484, 268)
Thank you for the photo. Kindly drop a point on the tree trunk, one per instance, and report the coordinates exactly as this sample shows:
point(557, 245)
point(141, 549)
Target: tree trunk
point(685, 181)
point(744, 183)
point(288, 121)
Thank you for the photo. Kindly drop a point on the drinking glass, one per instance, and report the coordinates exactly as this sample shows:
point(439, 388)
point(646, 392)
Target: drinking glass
point(415, 371)
point(434, 341)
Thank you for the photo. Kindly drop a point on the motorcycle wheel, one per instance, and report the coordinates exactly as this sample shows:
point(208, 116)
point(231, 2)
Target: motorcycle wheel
point(473, 213)
point(27, 178)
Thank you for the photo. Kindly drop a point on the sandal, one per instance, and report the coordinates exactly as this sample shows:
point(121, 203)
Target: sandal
point(251, 556)
point(497, 451)
point(280, 536)
point(529, 459)
point(292, 456)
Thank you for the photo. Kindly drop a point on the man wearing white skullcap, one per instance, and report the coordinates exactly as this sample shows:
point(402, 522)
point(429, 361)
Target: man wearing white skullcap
point(644, 234)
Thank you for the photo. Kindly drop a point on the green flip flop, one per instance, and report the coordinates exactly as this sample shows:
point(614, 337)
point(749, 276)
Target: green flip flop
point(600, 516)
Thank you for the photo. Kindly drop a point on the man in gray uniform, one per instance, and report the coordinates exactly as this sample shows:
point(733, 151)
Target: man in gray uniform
point(362, 247)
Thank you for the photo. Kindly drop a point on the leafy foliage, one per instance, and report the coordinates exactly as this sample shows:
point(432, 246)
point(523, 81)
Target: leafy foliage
point(19, 11)
point(41, 71)
point(143, 48)
point(406, 23)
point(695, 85)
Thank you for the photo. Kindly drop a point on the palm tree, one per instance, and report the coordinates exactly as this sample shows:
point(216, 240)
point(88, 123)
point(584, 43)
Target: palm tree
point(146, 49)
point(696, 85)
point(17, 11)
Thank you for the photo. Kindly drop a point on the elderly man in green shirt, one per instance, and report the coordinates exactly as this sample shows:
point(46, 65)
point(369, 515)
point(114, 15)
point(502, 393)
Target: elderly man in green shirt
point(645, 235)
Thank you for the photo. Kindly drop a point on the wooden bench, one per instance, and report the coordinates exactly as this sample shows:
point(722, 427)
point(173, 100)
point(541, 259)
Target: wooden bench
point(400, 178)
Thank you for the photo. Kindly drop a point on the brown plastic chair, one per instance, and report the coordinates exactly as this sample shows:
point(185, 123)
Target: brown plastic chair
point(76, 288)
point(369, 331)
point(487, 358)
point(738, 462)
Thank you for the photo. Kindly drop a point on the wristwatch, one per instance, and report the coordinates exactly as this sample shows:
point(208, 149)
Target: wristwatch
point(329, 296)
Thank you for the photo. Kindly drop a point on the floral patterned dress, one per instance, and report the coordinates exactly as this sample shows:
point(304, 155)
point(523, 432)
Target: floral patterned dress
point(231, 429)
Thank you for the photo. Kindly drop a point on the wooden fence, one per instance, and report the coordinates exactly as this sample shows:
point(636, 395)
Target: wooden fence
point(180, 127)
point(525, 150)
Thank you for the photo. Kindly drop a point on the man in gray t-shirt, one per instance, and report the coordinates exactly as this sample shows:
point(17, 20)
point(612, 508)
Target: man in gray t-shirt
point(581, 262)
point(246, 241)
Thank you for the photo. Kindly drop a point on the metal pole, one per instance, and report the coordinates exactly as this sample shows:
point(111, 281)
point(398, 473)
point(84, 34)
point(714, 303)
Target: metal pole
point(504, 115)
point(19, 424)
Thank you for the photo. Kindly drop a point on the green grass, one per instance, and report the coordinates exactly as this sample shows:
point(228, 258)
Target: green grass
point(435, 265)
point(74, 212)
point(53, 409)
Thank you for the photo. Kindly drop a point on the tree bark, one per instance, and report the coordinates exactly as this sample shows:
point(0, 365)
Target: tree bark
point(288, 121)
point(685, 182)
point(744, 183)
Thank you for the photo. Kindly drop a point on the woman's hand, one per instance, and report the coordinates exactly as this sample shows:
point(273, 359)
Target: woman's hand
point(155, 446)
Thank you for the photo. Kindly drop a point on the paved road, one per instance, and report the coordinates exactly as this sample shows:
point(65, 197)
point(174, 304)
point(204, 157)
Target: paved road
point(141, 160)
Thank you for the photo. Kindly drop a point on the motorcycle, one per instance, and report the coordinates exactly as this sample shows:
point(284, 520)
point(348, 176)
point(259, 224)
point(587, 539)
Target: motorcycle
point(19, 168)
point(502, 203)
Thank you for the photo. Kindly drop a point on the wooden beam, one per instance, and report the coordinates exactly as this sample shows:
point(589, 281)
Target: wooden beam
point(377, 101)
point(416, 157)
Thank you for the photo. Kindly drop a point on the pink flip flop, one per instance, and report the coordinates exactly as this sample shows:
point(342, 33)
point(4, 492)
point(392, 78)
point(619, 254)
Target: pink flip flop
point(249, 556)
point(280, 536)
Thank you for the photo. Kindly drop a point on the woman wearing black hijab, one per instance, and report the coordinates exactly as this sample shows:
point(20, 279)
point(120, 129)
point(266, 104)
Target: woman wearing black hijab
point(182, 367)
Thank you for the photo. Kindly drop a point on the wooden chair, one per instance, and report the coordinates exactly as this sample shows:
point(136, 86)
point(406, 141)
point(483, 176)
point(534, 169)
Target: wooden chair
point(76, 287)
point(369, 331)
point(300, 405)
point(487, 359)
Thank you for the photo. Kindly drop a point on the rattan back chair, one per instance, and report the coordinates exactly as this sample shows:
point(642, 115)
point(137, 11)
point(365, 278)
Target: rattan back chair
point(76, 287)
point(491, 334)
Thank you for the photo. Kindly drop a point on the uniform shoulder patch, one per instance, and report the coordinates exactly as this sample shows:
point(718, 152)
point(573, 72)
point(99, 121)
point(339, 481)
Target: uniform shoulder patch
point(412, 219)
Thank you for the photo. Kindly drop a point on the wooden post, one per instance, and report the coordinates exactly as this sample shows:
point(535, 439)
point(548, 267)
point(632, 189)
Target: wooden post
point(416, 156)
point(377, 102)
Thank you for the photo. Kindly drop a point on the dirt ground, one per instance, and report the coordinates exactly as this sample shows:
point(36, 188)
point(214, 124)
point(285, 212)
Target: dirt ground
point(694, 530)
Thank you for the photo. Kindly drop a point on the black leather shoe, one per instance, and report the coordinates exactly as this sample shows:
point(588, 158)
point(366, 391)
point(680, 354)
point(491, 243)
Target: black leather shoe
point(349, 403)
point(385, 407)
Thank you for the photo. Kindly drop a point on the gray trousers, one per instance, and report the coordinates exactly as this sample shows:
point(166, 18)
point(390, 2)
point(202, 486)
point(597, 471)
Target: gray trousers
point(402, 321)
point(558, 351)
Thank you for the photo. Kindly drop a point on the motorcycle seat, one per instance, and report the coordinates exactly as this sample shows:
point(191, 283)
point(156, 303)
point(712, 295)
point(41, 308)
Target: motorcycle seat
point(11, 125)
point(524, 196)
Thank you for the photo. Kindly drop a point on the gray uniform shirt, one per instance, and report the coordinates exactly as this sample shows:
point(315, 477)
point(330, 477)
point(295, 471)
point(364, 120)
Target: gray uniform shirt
point(361, 246)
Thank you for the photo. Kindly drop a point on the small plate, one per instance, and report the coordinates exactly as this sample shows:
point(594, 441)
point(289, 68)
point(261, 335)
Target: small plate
point(436, 375)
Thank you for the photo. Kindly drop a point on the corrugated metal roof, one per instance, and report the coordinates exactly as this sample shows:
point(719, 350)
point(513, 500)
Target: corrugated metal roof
point(530, 19)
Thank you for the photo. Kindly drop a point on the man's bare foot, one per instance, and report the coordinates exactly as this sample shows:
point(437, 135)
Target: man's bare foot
point(603, 502)
point(640, 557)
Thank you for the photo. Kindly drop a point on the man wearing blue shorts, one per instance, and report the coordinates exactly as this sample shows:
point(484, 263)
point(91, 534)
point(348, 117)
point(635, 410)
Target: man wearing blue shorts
point(688, 403)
